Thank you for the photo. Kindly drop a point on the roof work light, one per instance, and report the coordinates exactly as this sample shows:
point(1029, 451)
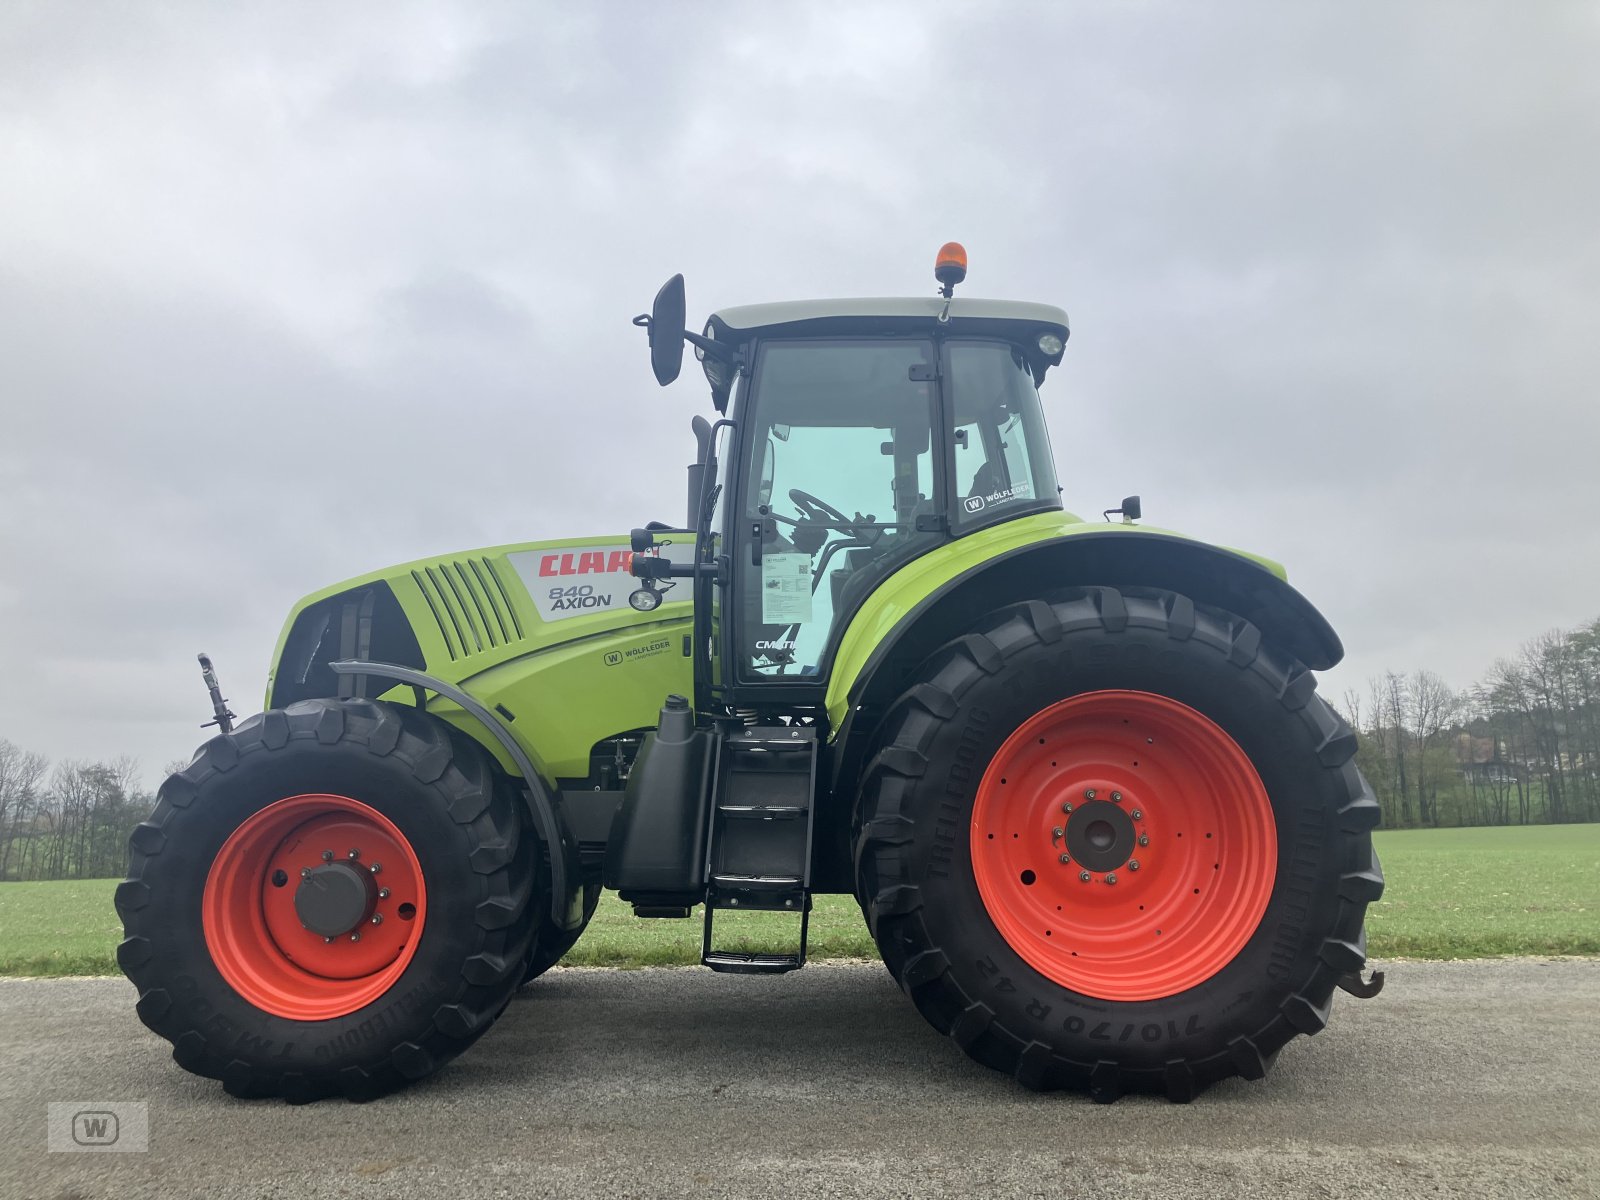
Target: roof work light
point(950, 268)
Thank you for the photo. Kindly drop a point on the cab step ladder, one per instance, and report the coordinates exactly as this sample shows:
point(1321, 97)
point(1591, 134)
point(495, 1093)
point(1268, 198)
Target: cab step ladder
point(759, 850)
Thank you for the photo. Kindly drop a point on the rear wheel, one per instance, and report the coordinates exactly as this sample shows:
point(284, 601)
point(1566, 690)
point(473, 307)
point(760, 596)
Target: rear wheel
point(1116, 843)
point(334, 898)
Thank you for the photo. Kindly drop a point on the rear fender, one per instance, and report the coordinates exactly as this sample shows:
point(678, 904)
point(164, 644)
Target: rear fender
point(1117, 556)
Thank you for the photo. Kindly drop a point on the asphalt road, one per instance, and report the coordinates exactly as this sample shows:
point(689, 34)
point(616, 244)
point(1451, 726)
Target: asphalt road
point(1462, 1079)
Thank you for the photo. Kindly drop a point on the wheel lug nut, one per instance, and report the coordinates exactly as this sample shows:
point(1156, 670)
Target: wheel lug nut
point(1057, 832)
point(1084, 876)
point(1065, 858)
point(1088, 793)
point(327, 856)
point(305, 872)
point(356, 936)
point(1144, 839)
point(326, 940)
point(375, 867)
point(1111, 878)
point(1133, 864)
point(1137, 815)
point(355, 854)
point(377, 918)
point(1116, 797)
point(1066, 808)
point(383, 893)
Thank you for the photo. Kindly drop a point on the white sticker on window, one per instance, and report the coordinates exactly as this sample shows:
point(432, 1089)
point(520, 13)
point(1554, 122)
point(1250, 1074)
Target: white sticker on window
point(785, 589)
point(1022, 490)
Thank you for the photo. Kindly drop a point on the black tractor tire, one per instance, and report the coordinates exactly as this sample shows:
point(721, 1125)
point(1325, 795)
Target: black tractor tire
point(461, 817)
point(915, 858)
point(552, 944)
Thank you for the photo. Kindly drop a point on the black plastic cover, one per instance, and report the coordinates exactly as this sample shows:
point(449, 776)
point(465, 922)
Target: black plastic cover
point(657, 846)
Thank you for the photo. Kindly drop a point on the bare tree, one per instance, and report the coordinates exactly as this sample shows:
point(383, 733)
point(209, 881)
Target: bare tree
point(1393, 703)
point(1349, 707)
point(1585, 647)
point(20, 773)
point(1431, 709)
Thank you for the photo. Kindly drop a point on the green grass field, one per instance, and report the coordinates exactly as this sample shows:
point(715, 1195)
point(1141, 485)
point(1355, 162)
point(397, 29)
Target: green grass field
point(1477, 893)
point(1455, 893)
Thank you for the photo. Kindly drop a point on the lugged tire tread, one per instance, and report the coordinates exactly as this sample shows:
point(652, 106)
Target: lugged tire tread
point(883, 828)
point(498, 945)
point(552, 944)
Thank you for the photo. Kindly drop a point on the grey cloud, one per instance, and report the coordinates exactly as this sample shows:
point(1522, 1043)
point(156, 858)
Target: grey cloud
point(1332, 271)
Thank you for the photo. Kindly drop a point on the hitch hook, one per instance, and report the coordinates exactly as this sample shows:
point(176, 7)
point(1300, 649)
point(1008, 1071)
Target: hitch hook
point(1361, 989)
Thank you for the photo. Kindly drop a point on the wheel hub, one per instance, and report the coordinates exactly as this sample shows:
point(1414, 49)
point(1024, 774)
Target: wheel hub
point(335, 898)
point(1100, 836)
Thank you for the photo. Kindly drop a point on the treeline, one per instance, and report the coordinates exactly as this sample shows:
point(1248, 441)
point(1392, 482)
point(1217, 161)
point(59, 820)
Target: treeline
point(1519, 747)
point(70, 821)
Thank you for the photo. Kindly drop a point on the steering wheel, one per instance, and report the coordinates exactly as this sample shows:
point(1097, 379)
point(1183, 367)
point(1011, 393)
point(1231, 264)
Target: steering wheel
point(821, 512)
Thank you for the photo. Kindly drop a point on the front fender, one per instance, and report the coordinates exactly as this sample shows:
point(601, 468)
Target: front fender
point(544, 807)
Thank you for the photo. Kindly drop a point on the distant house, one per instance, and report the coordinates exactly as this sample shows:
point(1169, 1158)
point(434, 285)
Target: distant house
point(1482, 760)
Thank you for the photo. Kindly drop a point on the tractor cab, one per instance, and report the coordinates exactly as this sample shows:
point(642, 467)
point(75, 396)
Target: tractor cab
point(857, 435)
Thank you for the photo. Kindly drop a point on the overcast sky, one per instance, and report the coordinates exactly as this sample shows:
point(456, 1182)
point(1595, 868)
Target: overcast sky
point(289, 295)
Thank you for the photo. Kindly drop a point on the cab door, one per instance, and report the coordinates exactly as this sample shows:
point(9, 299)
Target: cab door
point(842, 470)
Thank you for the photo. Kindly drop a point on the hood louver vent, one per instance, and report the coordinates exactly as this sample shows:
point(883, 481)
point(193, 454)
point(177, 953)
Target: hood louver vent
point(472, 609)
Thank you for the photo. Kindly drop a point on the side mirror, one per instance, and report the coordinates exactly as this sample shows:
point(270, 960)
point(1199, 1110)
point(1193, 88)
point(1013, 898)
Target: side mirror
point(1129, 512)
point(666, 326)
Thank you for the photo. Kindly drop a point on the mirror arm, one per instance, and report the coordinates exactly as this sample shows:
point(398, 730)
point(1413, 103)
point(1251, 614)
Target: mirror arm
point(717, 350)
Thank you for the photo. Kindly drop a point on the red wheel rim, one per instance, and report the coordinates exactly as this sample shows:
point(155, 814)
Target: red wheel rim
point(1145, 779)
point(254, 927)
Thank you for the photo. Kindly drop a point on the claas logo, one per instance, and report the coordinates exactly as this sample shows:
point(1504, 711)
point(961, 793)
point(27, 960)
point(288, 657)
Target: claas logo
point(584, 562)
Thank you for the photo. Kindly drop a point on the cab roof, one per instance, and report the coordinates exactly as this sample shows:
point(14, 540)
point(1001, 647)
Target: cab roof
point(1016, 321)
point(883, 314)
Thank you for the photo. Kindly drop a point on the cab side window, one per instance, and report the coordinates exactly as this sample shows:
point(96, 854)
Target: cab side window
point(1002, 456)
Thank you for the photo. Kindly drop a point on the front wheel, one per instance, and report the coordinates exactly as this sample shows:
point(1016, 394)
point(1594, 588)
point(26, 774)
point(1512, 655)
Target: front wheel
point(1117, 843)
point(552, 943)
point(335, 898)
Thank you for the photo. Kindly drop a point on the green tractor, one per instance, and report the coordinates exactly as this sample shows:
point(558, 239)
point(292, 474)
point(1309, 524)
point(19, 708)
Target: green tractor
point(1103, 830)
